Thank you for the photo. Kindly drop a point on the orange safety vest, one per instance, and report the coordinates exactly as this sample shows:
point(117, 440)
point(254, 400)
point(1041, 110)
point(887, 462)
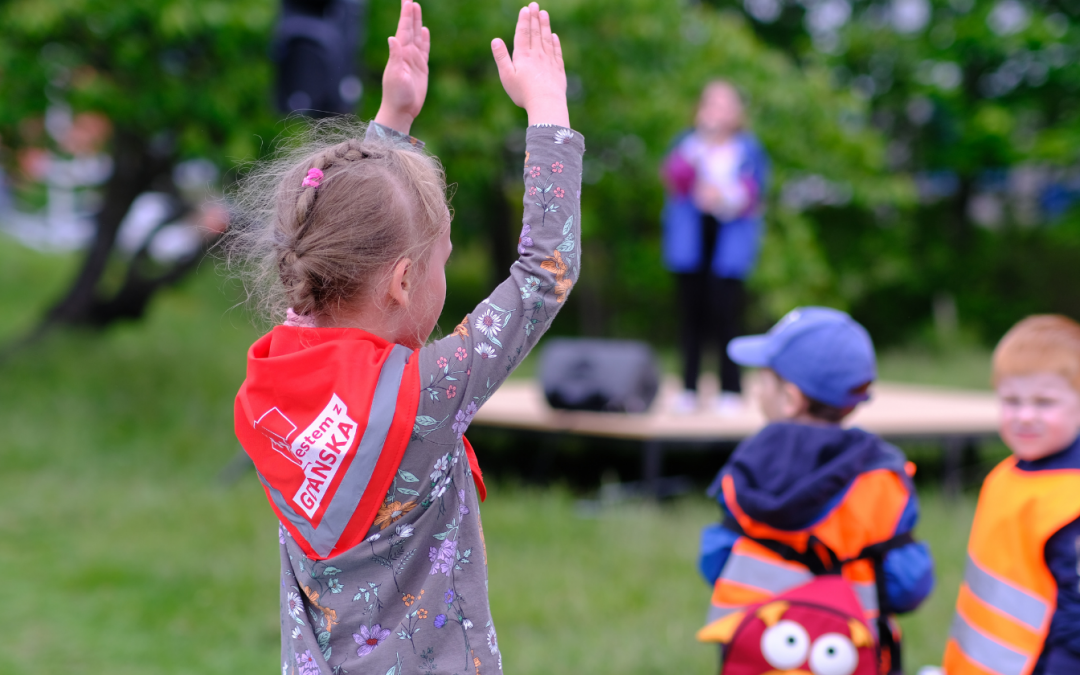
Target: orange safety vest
point(868, 514)
point(1008, 596)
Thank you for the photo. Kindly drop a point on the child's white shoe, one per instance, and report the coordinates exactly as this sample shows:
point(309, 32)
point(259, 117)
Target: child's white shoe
point(685, 402)
point(728, 404)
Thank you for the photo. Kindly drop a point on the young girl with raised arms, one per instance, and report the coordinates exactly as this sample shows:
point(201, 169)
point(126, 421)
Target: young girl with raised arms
point(354, 424)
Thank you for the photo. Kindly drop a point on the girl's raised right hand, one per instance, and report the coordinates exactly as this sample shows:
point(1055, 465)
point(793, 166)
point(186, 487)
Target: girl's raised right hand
point(534, 77)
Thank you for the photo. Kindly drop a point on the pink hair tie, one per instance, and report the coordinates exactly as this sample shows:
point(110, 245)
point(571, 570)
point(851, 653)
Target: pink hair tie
point(314, 177)
point(298, 320)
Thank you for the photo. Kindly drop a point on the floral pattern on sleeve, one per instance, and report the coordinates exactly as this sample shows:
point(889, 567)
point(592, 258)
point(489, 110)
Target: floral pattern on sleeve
point(412, 597)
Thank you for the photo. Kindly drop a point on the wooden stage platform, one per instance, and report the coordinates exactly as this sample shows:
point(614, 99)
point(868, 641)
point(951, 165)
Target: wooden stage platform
point(957, 418)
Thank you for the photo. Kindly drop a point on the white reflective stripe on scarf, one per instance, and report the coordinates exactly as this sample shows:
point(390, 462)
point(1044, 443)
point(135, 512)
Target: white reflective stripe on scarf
point(341, 508)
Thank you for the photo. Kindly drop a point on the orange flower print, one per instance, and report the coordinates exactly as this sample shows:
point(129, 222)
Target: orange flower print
point(462, 329)
point(329, 615)
point(421, 613)
point(408, 599)
point(483, 544)
point(558, 267)
point(526, 158)
point(392, 511)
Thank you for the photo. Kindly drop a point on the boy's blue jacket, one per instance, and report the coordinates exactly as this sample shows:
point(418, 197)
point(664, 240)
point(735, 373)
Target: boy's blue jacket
point(790, 476)
point(739, 239)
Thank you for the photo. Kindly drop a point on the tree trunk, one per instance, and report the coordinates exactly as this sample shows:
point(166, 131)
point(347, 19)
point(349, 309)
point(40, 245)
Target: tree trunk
point(501, 231)
point(962, 227)
point(134, 171)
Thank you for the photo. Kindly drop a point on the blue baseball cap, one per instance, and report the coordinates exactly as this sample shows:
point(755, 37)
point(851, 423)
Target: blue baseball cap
point(822, 351)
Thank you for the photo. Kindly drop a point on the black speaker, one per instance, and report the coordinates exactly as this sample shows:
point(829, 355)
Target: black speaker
point(314, 48)
point(604, 375)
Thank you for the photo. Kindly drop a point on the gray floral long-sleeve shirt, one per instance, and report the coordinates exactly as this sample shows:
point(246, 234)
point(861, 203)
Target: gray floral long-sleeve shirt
point(413, 596)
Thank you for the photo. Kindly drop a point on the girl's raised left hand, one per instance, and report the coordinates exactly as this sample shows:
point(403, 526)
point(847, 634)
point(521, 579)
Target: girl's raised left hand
point(405, 79)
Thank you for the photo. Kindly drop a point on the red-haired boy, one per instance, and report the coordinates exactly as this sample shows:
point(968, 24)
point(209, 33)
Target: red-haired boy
point(1018, 612)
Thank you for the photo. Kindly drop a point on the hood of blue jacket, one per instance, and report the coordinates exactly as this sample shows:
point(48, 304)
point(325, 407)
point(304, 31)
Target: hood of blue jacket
point(790, 475)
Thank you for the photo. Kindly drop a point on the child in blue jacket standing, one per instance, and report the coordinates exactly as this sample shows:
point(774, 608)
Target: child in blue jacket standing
point(805, 489)
point(712, 224)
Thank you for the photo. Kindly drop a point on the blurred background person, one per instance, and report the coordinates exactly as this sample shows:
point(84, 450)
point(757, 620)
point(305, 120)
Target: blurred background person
point(712, 225)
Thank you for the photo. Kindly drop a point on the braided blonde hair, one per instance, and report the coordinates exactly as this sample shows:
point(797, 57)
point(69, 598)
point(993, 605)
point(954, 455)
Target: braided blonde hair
point(316, 249)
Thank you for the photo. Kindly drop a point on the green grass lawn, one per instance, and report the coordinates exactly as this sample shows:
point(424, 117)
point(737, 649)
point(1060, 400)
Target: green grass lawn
point(123, 551)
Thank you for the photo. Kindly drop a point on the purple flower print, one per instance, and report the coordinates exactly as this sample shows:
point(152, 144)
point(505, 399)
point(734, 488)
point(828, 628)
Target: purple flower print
point(462, 509)
point(306, 663)
point(447, 549)
point(464, 417)
point(460, 353)
point(557, 167)
point(440, 621)
point(535, 172)
point(443, 560)
point(461, 422)
point(560, 193)
point(370, 639)
point(524, 240)
point(448, 597)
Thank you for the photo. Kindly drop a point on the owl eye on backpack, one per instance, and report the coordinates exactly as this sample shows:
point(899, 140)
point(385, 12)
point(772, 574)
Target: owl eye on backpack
point(813, 629)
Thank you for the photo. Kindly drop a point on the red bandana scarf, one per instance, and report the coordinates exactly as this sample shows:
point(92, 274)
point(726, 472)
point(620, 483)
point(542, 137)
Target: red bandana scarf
point(326, 414)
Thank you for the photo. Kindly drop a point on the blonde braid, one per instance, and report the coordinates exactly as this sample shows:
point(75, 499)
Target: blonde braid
point(316, 244)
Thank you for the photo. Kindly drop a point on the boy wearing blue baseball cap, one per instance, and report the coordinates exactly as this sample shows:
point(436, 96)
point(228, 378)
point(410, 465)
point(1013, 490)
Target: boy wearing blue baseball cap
point(806, 496)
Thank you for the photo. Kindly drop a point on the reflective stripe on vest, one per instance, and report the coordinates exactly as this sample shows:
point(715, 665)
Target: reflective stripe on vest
point(718, 612)
point(753, 573)
point(1008, 598)
point(763, 575)
point(340, 511)
point(985, 651)
point(766, 578)
point(867, 595)
point(776, 579)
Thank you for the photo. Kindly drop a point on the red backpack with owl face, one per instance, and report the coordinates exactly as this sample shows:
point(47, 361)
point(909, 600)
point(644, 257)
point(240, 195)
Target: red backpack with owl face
point(814, 629)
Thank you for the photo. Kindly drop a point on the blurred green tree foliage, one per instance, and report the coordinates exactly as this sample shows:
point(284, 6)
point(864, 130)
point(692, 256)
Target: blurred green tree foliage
point(191, 75)
point(193, 78)
point(981, 102)
point(177, 78)
point(635, 69)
